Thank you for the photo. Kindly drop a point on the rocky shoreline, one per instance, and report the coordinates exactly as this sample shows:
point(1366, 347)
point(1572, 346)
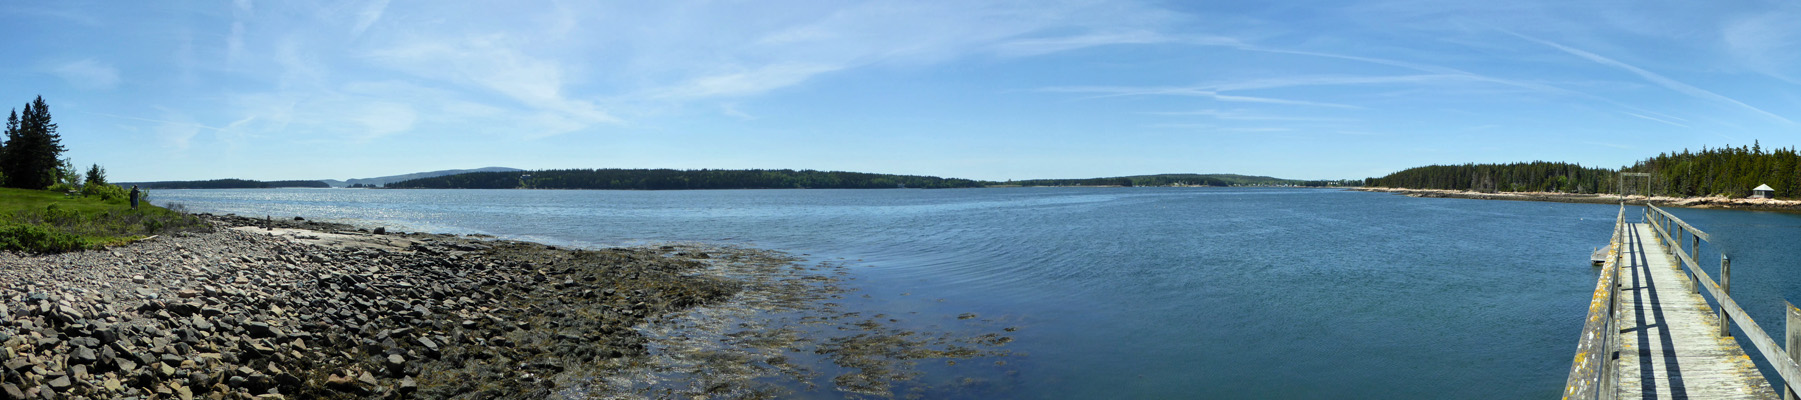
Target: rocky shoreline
point(274, 309)
point(1661, 201)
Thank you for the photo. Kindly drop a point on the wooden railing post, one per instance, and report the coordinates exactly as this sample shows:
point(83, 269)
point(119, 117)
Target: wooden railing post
point(1663, 231)
point(1694, 251)
point(1726, 290)
point(1794, 347)
point(1677, 238)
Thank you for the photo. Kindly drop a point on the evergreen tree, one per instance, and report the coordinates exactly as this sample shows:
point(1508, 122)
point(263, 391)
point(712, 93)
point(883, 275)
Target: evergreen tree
point(96, 176)
point(33, 148)
point(1537, 176)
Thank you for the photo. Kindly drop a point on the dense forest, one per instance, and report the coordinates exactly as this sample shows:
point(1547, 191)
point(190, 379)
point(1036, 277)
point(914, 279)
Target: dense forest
point(671, 179)
point(1727, 171)
point(227, 184)
point(1537, 176)
point(1179, 180)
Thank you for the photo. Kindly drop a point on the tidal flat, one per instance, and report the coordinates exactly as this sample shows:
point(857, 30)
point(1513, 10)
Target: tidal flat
point(272, 308)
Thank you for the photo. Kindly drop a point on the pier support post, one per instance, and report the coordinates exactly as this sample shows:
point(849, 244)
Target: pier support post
point(1794, 347)
point(1725, 290)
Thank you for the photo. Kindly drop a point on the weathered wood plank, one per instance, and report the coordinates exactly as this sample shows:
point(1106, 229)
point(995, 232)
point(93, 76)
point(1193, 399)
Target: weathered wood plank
point(1785, 367)
point(1672, 348)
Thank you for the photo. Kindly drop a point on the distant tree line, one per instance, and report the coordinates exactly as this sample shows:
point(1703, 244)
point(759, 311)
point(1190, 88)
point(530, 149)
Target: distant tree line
point(1537, 176)
point(671, 179)
point(1182, 180)
point(1119, 181)
point(1727, 171)
point(30, 154)
point(228, 184)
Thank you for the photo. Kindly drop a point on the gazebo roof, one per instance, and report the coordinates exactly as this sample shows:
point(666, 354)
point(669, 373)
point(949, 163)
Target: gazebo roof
point(1764, 187)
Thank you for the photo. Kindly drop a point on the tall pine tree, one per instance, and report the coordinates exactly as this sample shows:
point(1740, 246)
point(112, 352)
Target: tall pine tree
point(33, 148)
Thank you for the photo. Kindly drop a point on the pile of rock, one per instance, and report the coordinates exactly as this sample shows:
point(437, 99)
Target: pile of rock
point(239, 313)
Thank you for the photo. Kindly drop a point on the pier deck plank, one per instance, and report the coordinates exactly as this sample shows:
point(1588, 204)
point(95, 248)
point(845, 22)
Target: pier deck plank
point(1670, 346)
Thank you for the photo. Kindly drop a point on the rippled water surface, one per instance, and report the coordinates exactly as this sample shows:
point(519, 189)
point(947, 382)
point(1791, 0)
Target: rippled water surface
point(1143, 292)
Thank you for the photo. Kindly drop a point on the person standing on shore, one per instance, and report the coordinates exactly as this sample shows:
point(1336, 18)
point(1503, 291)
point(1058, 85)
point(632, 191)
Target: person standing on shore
point(134, 197)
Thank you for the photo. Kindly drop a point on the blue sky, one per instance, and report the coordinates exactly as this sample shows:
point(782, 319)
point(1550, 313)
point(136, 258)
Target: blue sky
point(986, 90)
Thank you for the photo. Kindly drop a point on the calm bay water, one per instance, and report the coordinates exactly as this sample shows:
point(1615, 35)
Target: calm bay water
point(1147, 292)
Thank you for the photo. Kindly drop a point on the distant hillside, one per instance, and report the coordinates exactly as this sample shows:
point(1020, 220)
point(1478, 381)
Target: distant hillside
point(671, 179)
point(1179, 180)
point(225, 184)
point(379, 181)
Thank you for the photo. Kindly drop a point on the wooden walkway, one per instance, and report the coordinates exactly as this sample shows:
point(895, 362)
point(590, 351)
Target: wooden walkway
point(1670, 347)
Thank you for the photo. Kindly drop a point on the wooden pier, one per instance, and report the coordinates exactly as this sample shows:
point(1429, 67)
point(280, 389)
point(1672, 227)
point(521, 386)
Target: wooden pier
point(1652, 335)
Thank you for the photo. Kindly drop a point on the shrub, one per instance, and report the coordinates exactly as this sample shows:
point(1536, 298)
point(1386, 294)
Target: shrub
point(38, 239)
point(57, 215)
point(62, 188)
point(107, 193)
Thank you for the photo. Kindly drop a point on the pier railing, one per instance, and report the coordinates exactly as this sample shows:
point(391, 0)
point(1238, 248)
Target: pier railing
point(1594, 373)
point(1674, 233)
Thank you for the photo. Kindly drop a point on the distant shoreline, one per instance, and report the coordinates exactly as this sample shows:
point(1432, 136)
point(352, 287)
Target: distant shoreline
point(1714, 202)
point(791, 188)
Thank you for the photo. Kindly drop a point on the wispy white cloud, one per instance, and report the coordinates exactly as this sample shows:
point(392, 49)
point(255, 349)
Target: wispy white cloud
point(741, 83)
point(176, 130)
point(494, 63)
point(1205, 91)
point(88, 74)
point(575, 67)
point(732, 110)
point(385, 118)
point(1660, 80)
point(241, 11)
point(1182, 126)
point(1241, 115)
point(1258, 129)
point(751, 49)
point(71, 14)
point(1659, 120)
point(1267, 100)
point(1341, 80)
point(234, 43)
point(367, 16)
point(1612, 145)
point(1046, 45)
point(1767, 42)
point(1439, 72)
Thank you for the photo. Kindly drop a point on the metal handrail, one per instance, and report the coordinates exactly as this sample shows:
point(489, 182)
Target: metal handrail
point(1593, 374)
point(1729, 312)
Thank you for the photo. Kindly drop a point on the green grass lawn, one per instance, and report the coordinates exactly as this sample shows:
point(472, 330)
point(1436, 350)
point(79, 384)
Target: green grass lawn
point(41, 221)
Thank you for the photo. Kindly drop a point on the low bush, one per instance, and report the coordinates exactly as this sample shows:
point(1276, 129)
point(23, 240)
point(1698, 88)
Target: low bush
point(62, 188)
point(38, 239)
point(106, 193)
